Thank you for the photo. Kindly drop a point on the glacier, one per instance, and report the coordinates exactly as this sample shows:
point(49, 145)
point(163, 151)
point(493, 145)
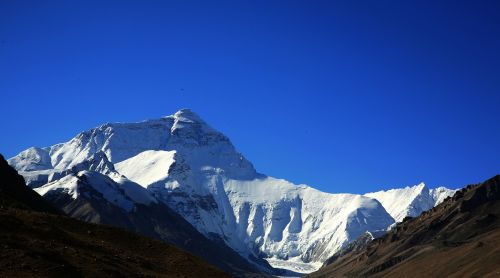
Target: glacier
point(183, 162)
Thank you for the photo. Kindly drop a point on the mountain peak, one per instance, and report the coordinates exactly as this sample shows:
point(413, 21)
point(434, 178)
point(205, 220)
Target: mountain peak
point(421, 185)
point(188, 124)
point(187, 115)
point(185, 111)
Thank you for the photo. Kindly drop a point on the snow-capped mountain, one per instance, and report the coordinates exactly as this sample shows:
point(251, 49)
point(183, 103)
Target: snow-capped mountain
point(184, 163)
point(410, 201)
point(95, 192)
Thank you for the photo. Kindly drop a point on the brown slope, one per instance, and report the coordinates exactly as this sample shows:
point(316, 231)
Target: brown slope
point(37, 240)
point(458, 238)
point(47, 245)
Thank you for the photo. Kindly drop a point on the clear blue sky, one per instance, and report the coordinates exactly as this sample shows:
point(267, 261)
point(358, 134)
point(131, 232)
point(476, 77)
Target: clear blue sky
point(346, 96)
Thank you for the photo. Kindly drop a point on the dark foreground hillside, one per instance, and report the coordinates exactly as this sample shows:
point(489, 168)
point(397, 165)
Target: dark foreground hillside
point(43, 244)
point(38, 240)
point(458, 238)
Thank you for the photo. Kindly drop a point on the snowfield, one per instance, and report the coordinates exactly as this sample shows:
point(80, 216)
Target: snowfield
point(410, 201)
point(147, 167)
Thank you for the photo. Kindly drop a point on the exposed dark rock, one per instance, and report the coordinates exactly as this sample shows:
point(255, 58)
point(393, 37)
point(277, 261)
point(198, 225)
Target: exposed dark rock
point(15, 194)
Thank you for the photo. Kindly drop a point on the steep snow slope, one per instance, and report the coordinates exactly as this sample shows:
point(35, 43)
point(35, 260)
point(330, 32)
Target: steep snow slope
point(441, 193)
point(147, 167)
point(196, 171)
point(298, 227)
point(122, 192)
point(410, 201)
point(98, 173)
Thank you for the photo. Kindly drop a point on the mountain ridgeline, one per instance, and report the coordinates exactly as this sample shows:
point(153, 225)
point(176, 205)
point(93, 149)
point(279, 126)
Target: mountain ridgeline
point(177, 178)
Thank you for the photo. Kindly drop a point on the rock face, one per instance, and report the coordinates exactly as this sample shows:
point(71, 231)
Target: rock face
point(195, 170)
point(15, 194)
point(460, 237)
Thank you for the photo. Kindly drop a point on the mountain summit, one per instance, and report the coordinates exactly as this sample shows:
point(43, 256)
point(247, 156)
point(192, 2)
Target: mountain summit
point(187, 115)
point(197, 172)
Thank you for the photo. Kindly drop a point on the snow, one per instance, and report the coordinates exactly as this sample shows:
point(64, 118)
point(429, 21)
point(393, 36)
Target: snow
point(32, 159)
point(296, 266)
point(297, 225)
point(441, 193)
point(108, 188)
point(411, 200)
point(147, 167)
point(118, 141)
point(188, 165)
point(36, 178)
point(134, 191)
point(68, 184)
point(119, 191)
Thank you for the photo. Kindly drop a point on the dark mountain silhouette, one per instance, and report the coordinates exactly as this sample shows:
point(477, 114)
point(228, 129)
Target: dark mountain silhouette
point(458, 238)
point(36, 239)
point(15, 194)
